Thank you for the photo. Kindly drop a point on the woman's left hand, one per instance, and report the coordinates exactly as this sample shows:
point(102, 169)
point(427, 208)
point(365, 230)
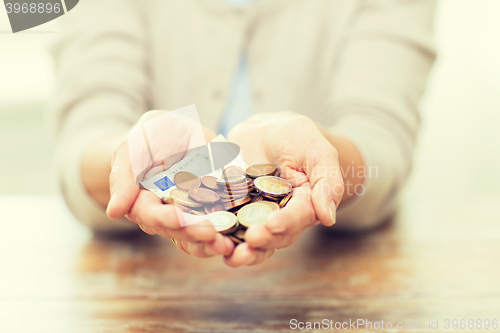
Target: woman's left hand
point(308, 161)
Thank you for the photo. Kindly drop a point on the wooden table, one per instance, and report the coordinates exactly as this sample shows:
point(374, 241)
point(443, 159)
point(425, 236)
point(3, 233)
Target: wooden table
point(438, 259)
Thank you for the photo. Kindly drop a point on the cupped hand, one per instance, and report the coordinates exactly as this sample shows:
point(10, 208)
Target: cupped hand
point(308, 161)
point(158, 141)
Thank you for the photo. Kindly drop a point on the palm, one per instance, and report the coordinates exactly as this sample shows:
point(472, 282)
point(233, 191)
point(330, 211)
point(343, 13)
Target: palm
point(295, 145)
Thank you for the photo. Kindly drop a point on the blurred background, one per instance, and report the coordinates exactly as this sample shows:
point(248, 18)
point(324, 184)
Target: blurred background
point(457, 159)
point(438, 264)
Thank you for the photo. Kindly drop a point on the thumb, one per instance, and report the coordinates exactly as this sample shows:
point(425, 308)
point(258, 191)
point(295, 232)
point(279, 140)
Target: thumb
point(122, 186)
point(327, 185)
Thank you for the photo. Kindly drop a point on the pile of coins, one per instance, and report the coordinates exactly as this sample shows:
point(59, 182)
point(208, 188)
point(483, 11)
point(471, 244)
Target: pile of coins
point(239, 199)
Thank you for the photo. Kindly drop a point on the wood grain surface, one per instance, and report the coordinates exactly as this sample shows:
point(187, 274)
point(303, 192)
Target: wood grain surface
point(437, 259)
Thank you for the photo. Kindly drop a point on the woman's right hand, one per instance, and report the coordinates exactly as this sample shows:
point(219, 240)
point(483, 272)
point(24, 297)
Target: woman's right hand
point(142, 206)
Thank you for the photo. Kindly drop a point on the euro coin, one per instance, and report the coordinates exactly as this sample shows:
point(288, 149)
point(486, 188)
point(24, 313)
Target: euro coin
point(195, 212)
point(228, 198)
point(238, 199)
point(273, 205)
point(245, 192)
point(255, 193)
point(236, 203)
point(233, 171)
point(210, 182)
point(186, 180)
point(235, 210)
point(223, 221)
point(237, 187)
point(254, 213)
point(258, 170)
point(271, 198)
point(235, 239)
point(285, 200)
point(203, 195)
point(257, 198)
point(217, 208)
point(167, 201)
point(273, 186)
point(240, 233)
point(223, 181)
point(182, 197)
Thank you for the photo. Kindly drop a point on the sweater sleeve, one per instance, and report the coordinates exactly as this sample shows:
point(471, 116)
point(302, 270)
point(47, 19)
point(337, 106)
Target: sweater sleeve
point(385, 59)
point(102, 89)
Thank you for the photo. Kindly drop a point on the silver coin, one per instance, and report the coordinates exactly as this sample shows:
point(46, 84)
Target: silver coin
point(254, 213)
point(222, 221)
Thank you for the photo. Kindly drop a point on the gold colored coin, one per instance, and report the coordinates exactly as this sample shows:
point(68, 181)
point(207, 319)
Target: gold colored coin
point(273, 186)
point(231, 180)
point(271, 198)
point(257, 198)
point(235, 240)
point(273, 205)
point(246, 185)
point(231, 230)
point(285, 200)
point(225, 198)
point(167, 201)
point(236, 202)
point(182, 198)
point(254, 213)
point(233, 171)
point(258, 170)
point(240, 233)
point(213, 208)
point(186, 180)
point(195, 212)
point(210, 182)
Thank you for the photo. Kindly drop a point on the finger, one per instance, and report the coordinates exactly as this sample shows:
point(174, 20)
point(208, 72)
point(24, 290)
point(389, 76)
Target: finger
point(221, 245)
point(149, 211)
point(296, 215)
point(327, 186)
point(259, 237)
point(202, 231)
point(283, 227)
point(244, 255)
point(122, 186)
point(147, 230)
point(190, 233)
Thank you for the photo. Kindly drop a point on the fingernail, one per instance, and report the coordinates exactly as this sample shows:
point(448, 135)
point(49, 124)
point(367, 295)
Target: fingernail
point(333, 211)
point(109, 204)
point(277, 230)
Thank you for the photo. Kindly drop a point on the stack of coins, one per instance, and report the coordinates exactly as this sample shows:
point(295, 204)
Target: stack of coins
point(239, 199)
